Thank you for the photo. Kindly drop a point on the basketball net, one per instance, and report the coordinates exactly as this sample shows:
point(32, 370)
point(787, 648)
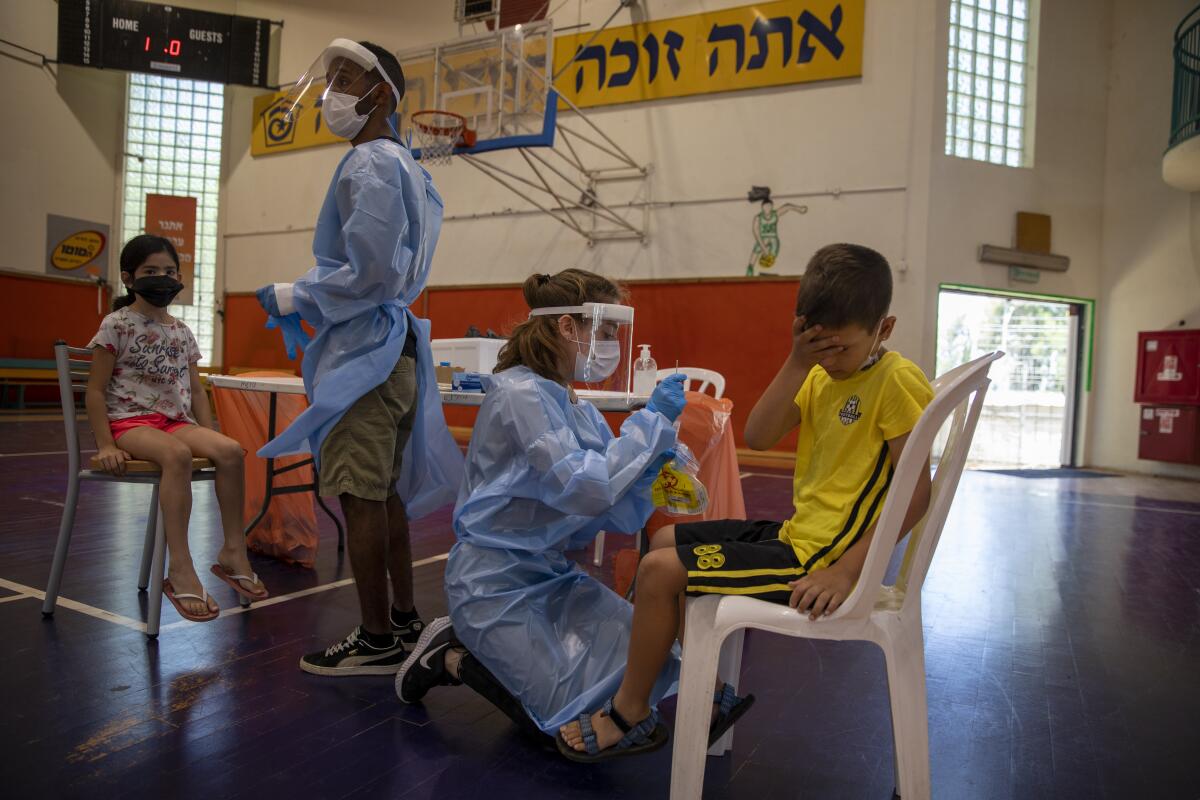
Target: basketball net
point(438, 133)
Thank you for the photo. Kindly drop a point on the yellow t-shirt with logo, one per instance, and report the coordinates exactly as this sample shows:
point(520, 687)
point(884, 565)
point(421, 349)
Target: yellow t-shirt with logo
point(843, 469)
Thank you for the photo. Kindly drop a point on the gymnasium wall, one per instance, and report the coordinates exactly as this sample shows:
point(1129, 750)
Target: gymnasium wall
point(735, 327)
point(852, 135)
point(60, 151)
point(1150, 251)
point(38, 310)
point(972, 203)
point(867, 153)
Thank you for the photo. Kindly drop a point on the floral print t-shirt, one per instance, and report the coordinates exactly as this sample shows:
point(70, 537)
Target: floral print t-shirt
point(152, 373)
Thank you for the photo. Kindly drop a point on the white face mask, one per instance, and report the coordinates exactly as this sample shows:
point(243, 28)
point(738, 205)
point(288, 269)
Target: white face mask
point(598, 364)
point(338, 110)
point(872, 354)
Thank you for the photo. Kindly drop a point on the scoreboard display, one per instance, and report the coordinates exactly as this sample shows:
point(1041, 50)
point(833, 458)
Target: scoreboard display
point(164, 40)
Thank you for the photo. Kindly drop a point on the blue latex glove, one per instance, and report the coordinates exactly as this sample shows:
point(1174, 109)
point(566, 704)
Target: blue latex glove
point(657, 464)
point(294, 335)
point(266, 299)
point(668, 398)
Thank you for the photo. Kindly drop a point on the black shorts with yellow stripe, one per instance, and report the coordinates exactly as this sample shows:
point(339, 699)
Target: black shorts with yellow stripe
point(737, 556)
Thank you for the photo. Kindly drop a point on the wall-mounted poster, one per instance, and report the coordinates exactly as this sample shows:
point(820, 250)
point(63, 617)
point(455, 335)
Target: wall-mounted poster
point(748, 47)
point(174, 218)
point(765, 227)
point(76, 248)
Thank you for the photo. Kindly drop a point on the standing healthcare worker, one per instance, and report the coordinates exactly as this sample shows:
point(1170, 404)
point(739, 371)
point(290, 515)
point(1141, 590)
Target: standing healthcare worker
point(375, 422)
point(528, 629)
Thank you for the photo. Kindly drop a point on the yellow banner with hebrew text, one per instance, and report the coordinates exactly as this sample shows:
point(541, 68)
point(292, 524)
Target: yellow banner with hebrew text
point(749, 47)
point(275, 132)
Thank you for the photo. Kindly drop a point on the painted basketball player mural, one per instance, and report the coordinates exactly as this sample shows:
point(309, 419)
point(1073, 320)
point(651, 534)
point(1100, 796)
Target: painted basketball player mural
point(766, 229)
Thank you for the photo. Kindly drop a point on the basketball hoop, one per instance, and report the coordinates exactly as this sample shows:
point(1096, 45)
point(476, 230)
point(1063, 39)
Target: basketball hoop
point(439, 132)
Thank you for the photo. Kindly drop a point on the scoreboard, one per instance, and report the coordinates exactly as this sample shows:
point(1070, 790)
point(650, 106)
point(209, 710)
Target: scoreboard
point(164, 40)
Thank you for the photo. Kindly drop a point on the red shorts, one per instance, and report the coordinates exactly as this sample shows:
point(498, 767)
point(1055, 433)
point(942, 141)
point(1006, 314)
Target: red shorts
point(155, 420)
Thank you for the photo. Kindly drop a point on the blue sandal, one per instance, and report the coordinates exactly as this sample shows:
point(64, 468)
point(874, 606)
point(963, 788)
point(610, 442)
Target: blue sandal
point(648, 735)
point(731, 708)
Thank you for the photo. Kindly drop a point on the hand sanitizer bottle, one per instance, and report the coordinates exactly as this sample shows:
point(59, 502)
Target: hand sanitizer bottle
point(645, 373)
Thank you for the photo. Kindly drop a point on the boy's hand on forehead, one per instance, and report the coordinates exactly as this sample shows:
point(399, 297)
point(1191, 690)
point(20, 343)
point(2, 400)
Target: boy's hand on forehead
point(810, 348)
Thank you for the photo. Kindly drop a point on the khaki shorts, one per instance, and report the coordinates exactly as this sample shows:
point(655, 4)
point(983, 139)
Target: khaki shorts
point(363, 453)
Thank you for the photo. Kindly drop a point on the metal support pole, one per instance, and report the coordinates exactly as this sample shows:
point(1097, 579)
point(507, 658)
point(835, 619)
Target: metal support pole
point(479, 166)
point(564, 129)
point(607, 213)
point(550, 191)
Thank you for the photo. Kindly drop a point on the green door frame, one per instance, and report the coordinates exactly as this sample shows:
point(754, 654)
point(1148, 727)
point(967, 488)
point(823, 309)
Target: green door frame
point(1088, 307)
point(1088, 304)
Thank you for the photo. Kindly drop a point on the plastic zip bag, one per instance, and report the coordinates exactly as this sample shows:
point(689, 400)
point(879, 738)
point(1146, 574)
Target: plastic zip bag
point(678, 490)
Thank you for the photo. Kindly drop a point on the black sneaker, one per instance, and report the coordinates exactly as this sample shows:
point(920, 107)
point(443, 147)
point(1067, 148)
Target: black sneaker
point(407, 631)
point(355, 656)
point(426, 664)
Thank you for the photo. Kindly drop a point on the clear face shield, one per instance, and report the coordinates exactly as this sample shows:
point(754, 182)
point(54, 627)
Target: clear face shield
point(603, 337)
point(337, 85)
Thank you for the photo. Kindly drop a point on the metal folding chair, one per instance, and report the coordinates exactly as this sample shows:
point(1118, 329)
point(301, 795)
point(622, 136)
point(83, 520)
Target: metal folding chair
point(73, 364)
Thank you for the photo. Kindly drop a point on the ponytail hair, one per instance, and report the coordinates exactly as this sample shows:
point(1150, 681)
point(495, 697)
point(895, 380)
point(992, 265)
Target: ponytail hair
point(134, 254)
point(535, 343)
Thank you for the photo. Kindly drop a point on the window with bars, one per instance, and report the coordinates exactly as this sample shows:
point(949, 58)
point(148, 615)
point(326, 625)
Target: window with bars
point(173, 133)
point(989, 97)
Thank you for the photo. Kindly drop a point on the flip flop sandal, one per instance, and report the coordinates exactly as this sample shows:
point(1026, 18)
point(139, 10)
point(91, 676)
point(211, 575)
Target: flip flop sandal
point(731, 708)
point(235, 583)
point(169, 593)
point(647, 736)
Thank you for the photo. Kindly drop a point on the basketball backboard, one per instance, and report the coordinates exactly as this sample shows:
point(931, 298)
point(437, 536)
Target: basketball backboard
point(499, 81)
point(498, 85)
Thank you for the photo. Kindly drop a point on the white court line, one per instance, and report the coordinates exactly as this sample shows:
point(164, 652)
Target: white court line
point(47, 502)
point(283, 598)
point(75, 605)
point(10, 598)
point(44, 453)
point(1133, 508)
point(1159, 509)
point(108, 616)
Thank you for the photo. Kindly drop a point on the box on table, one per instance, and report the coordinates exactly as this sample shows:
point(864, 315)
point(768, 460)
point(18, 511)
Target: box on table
point(446, 374)
point(468, 355)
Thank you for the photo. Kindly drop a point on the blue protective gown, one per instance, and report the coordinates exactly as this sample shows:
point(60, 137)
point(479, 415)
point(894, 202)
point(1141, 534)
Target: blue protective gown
point(545, 475)
point(373, 245)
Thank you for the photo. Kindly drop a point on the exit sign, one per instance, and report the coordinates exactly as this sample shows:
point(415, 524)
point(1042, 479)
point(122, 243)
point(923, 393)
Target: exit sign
point(1022, 275)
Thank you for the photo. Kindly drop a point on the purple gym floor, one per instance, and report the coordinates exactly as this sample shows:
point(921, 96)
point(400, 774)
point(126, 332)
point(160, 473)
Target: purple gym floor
point(1062, 624)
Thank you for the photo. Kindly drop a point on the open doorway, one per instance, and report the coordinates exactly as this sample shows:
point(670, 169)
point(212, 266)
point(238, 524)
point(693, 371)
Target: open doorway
point(1030, 417)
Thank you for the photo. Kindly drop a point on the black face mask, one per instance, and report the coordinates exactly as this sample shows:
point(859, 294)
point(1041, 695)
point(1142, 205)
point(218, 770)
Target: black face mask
point(157, 290)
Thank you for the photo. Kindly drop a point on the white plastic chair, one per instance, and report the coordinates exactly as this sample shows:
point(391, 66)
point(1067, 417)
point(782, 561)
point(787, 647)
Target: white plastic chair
point(889, 616)
point(705, 377)
point(72, 378)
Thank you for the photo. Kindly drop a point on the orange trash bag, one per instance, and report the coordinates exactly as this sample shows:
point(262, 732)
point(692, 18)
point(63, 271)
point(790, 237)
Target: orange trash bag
point(288, 531)
point(704, 427)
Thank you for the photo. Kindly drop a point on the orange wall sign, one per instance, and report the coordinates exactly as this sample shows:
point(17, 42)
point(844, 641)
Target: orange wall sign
point(174, 218)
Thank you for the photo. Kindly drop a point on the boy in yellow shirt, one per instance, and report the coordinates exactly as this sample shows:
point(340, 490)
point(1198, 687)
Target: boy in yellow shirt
point(855, 404)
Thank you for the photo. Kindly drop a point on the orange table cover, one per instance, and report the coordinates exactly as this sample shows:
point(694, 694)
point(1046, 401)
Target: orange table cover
point(288, 531)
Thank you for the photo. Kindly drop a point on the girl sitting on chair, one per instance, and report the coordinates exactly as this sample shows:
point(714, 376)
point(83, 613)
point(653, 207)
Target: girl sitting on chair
point(144, 392)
